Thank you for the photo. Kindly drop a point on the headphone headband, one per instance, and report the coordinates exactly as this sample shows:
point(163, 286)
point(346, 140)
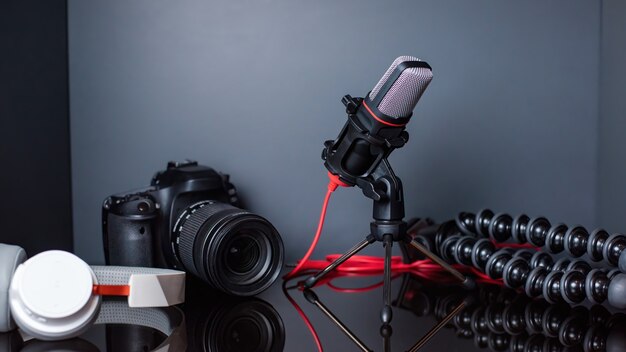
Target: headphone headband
point(144, 287)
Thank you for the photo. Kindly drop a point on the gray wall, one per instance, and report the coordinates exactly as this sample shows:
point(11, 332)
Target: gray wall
point(252, 88)
point(612, 166)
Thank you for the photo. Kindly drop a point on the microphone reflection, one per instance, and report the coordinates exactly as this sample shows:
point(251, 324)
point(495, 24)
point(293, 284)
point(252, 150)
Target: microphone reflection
point(490, 317)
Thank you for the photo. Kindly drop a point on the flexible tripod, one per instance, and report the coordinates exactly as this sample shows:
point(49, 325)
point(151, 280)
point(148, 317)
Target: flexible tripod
point(567, 279)
point(385, 189)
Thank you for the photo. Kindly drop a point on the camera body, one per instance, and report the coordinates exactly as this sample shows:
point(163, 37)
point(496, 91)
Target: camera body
point(189, 219)
point(137, 225)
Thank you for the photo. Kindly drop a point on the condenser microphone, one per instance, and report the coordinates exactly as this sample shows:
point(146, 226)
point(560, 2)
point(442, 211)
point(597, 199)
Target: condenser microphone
point(376, 123)
point(394, 97)
point(358, 156)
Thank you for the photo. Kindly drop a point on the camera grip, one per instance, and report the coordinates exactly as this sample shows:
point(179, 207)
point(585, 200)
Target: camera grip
point(128, 241)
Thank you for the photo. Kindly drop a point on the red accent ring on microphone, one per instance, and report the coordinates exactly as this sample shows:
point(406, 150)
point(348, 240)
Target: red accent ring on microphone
point(379, 119)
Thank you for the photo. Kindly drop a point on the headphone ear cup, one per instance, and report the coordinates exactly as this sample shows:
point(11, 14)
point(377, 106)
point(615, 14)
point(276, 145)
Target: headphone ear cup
point(10, 258)
point(51, 296)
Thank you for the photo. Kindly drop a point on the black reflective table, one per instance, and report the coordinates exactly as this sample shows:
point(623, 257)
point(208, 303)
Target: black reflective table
point(344, 316)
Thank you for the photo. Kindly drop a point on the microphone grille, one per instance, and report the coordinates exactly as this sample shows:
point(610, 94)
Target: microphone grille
point(403, 95)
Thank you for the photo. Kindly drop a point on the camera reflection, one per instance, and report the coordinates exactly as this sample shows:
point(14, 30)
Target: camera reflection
point(209, 321)
point(220, 323)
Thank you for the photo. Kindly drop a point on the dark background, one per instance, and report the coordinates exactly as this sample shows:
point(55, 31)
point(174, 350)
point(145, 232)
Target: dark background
point(524, 113)
point(35, 210)
point(253, 88)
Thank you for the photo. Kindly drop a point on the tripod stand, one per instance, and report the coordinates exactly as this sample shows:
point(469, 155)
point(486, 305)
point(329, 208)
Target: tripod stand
point(385, 189)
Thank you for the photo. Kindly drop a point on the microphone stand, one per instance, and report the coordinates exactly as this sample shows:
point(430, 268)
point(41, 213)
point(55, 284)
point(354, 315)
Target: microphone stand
point(385, 189)
point(385, 329)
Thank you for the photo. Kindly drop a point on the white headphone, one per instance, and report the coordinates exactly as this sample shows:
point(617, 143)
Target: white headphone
point(56, 295)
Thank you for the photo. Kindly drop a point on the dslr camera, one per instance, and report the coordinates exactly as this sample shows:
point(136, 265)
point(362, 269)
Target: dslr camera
point(189, 219)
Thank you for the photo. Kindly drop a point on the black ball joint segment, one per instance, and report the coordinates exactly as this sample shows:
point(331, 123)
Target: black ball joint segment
point(525, 325)
point(576, 241)
point(539, 232)
point(501, 320)
point(564, 280)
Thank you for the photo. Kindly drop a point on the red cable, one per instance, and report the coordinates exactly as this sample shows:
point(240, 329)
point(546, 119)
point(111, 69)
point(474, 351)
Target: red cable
point(360, 265)
point(307, 322)
point(333, 183)
point(367, 264)
point(358, 289)
point(316, 238)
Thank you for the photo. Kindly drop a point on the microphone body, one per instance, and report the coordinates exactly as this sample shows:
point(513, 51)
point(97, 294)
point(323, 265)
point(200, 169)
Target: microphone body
point(376, 124)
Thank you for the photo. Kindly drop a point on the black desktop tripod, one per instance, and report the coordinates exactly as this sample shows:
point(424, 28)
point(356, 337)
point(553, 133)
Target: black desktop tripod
point(379, 183)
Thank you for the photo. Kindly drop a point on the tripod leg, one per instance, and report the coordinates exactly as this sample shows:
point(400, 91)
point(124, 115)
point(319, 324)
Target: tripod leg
point(386, 314)
point(466, 281)
point(312, 298)
point(429, 335)
point(385, 332)
point(311, 281)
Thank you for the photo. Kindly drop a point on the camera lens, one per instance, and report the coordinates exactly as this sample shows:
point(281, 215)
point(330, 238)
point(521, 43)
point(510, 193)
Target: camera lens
point(242, 254)
point(232, 249)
